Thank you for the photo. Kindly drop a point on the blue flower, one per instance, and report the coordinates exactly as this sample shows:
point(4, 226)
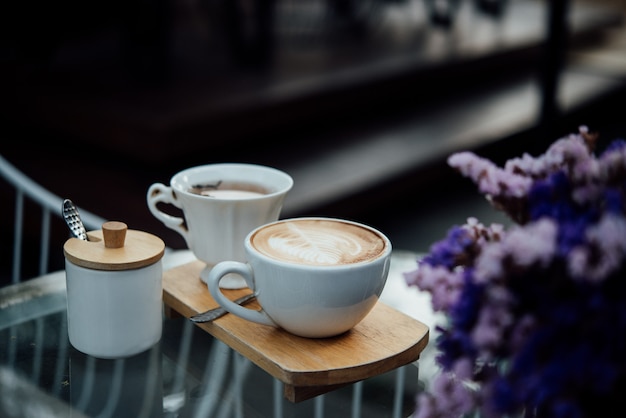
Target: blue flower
point(614, 199)
point(448, 251)
point(463, 315)
point(614, 146)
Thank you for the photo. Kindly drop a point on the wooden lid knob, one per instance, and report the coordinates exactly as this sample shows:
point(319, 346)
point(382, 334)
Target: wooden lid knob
point(114, 234)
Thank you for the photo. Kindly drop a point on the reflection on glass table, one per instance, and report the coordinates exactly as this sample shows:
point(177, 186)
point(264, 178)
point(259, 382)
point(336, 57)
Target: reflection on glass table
point(187, 374)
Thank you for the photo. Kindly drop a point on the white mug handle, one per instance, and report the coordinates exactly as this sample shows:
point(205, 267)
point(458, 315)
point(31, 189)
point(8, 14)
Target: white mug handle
point(244, 270)
point(158, 193)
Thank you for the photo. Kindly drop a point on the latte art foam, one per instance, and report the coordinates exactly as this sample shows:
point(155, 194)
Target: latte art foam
point(318, 242)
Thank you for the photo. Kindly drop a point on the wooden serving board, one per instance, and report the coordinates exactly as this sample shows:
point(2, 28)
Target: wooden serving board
point(386, 339)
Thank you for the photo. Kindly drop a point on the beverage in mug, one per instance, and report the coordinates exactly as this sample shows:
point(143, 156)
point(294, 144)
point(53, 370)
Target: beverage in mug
point(226, 190)
point(318, 242)
point(313, 277)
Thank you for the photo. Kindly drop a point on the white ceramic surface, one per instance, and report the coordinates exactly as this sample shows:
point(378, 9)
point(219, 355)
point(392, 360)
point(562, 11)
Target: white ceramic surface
point(309, 301)
point(114, 314)
point(214, 228)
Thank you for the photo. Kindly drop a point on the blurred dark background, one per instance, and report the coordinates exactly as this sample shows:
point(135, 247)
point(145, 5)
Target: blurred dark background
point(361, 101)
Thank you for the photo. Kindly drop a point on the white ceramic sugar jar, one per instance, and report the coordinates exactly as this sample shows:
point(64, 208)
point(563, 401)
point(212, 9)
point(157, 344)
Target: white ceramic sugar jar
point(114, 291)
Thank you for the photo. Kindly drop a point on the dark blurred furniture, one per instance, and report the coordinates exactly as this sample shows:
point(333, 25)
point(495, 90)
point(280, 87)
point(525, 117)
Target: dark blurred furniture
point(358, 101)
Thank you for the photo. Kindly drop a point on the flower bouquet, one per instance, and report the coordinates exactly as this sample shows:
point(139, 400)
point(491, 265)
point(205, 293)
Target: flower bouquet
point(535, 314)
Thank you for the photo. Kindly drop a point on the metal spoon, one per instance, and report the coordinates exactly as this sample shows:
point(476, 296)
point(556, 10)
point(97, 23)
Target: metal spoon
point(213, 314)
point(72, 219)
point(202, 188)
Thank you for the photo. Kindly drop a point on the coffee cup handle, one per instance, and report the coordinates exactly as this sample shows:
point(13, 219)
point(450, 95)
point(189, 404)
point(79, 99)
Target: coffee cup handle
point(160, 193)
point(244, 270)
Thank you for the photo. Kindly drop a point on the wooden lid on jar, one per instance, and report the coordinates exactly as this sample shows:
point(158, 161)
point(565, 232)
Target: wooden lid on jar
point(115, 247)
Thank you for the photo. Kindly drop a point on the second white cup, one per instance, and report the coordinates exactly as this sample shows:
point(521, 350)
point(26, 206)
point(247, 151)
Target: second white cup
point(221, 204)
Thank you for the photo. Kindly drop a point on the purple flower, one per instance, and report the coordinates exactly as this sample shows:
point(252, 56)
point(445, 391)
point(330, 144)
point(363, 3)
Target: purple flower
point(536, 314)
point(603, 252)
point(449, 398)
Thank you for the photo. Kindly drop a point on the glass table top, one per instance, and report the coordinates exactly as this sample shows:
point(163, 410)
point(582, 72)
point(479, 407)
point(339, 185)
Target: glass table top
point(187, 373)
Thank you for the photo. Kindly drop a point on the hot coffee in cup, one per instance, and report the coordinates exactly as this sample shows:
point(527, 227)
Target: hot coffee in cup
point(313, 277)
point(318, 242)
point(221, 204)
point(229, 190)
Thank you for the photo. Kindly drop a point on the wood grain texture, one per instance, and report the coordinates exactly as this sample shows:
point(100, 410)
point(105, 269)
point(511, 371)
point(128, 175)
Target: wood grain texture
point(386, 339)
point(140, 249)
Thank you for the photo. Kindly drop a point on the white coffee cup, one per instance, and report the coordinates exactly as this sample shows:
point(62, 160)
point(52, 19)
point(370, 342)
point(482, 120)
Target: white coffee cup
point(216, 223)
point(313, 277)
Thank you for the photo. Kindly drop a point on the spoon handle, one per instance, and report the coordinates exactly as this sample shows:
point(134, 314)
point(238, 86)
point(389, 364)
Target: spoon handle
point(213, 314)
point(72, 219)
